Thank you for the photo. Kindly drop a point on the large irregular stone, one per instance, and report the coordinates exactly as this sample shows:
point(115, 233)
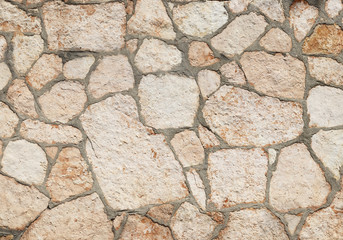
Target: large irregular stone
point(326, 70)
point(324, 106)
point(151, 18)
point(276, 40)
point(168, 101)
point(197, 187)
point(78, 67)
point(5, 75)
point(155, 55)
point(237, 176)
point(208, 81)
point(298, 181)
point(64, 101)
point(83, 218)
point(200, 54)
point(275, 75)
point(333, 7)
point(189, 224)
point(113, 74)
point(253, 224)
point(238, 6)
point(8, 121)
point(233, 73)
point(243, 118)
point(19, 204)
point(3, 47)
point(121, 150)
point(239, 34)
point(162, 213)
point(271, 8)
point(207, 138)
point(96, 27)
point(200, 18)
point(69, 176)
point(41, 132)
point(25, 161)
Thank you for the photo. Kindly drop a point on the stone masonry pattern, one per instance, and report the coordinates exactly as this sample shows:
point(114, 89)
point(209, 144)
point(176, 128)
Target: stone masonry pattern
point(171, 119)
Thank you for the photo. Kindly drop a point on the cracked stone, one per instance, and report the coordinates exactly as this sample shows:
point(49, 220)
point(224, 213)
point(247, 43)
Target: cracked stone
point(292, 222)
point(233, 73)
point(5, 76)
point(208, 81)
point(3, 47)
point(326, 70)
point(200, 54)
point(207, 138)
point(8, 121)
point(271, 8)
point(132, 45)
point(162, 213)
point(276, 40)
point(197, 187)
point(78, 67)
point(238, 6)
point(333, 7)
point(119, 221)
point(51, 151)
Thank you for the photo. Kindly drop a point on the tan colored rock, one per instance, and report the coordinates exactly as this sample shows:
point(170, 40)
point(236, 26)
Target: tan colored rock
point(99, 27)
point(325, 39)
point(326, 70)
point(333, 7)
point(64, 101)
point(33, 3)
point(239, 34)
point(298, 181)
point(78, 67)
point(237, 176)
point(1, 146)
point(69, 176)
point(25, 161)
point(162, 213)
point(7, 237)
point(83, 218)
point(8, 121)
point(253, 224)
point(272, 156)
point(275, 75)
point(197, 187)
point(207, 138)
point(51, 152)
point(189, 224)
point(243, 118)
point(113, 74)
point(5, 76)
point(118, 221)
point(168, 101)
point(41, 132)
point(132, 45)
point(276, 40)
point(3, 47)
point(292, 222)
point(271, 8)
point(120, 165)
point(151, 19)
point(86, 1)
point(19, 204)
point(19, 95)
point(200, 54)
point(337, 203)
point(155, 55)
point(208, 81)
point(238, 6)
point(233, 73)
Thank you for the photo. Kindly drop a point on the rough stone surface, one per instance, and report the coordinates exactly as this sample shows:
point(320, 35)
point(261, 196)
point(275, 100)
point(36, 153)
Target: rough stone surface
point(197, 187)
point(333, 7)
point(243, 118)
point(208, 81)
point(298, 181)
point(132, 45)
point(233, 73)
point(78, 67)
point(272, 154)
point(3, 47)
point(118, 221)
point(200, 54)
point(238, 6)
point(326, 70)
point(162, 213)
point(239, 34)
point(168, 101)
point(292, 222)
point(5, 76)
point(207, 138)
point(51, 151)
point(271, 8)
point(8, 121)
point(276, 40)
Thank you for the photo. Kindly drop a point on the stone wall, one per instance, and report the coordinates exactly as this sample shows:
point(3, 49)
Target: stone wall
point(180, 119)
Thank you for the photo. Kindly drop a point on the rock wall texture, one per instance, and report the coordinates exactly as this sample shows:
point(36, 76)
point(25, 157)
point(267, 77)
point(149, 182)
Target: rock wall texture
point(171, 119)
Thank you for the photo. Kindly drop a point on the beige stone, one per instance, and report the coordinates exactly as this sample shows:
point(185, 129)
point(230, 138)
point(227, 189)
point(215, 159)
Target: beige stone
point(168, 101)
point(208, 81)
point(238, 6)
point(272, 154)
point(276, 40)
point(119, 221)
point(1, 146)
point(207, 138)
point(83, 218)
point(99, 27)
point(113, 74)
point(275, 75)
point(298, 181)
point(333, 7)
point(155, 55)
point(121, 149)
point(237, 176)
point(78, 67)
point(200, 54)
point(239, 34)
point(132, 45)
point(8, 121)
point(337, 203)
point(69, 176)
point(292, 222)
point(3, 47)
point(243, 118)
point(33, 3)
point(86, 1)
point(233, 73)
point(197, 187)
point(326, 70)
point(19, 204)
point(189, 224)
point(162, 213)
point(51, 152)
point(271, 8)
point(7, 237)
point(5, 76)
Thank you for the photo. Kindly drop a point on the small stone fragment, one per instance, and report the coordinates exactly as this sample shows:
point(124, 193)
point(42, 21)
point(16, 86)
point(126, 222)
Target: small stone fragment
point(83, 218)
point(238, 6)
point(326, 70)
point(298, 181)
point(168, 101)
point(189, 224)
point(271, 156)
point(113, 74)
point(131, 45)
point(207, 138)
point(162, 213)
point(217, 216)
point(197, 187)
point(78, 67)
point(208, 81)
point(51, 151)
point(155, 55)
point(19, 204)
point(118, 221)
point(333, 7)
point(233, 73)
point(7, 237)
point(292, 222)
point(32, 3)
point(3, 47)
point(276, 40)
point(271, 8)
point(200, 54)
point(8, 121)
point(64, 101)
point(5, 75)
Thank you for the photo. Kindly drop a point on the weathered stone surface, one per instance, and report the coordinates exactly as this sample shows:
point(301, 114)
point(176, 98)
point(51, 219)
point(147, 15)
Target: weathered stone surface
point(298, 181)
point(5, 76)
point(168, 101)
point(33, 3)
point(302, 18)
point(51, 151)
point(200, 54)
point(8, 121)
point(333, 7)
point(237, 176)
point(1, 146)
point(132, 45)
point(69, 176)
point(271, 156)
point(292, 222)
point(19, 204)
point(253, 224)
point(26, 50)
point(326, 39)
point(118, 221)
point(276, 40)
point(120, 165)
point(113, 74)
point(139, 227)
point(243, 118)
point(77, 27)
point(21, 98)
point(7, 237)
point(189, 224)
point(188, 148)
point(275, 75)
point(239, 34)
point(83, 218)
point(151, 18)
point(207, 138)
point(38, 131)
point(328, 146)
point(78, 67)
point(326, 70)
point(64, 101)
point(155, 55)
point(233, 73)
point(3, 47)
point(162, 213)
point(208, 81)
point(200, 18)
point(238, 6)
point(324, 106)
point(271, 8)
point(197, 187)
